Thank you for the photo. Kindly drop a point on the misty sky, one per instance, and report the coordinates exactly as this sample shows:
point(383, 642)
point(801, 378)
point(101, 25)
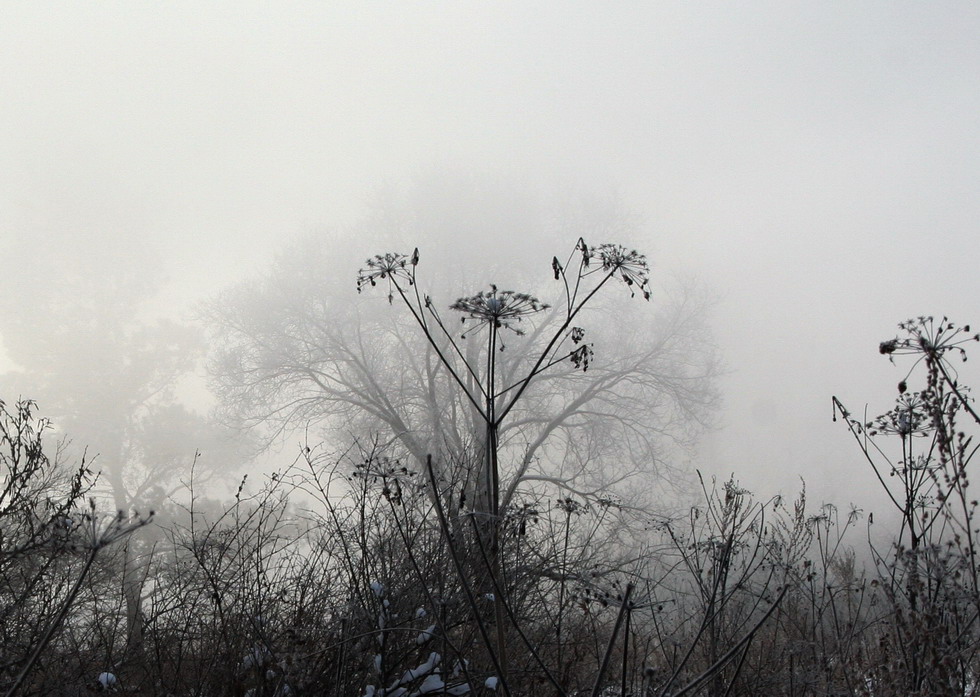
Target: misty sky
point(816, 164)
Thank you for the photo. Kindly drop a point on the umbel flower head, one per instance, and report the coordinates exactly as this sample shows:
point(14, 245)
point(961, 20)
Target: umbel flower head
point(925, 335)
point(628, 264)
point(908, 418)
point(501, 308)
point(389, 267)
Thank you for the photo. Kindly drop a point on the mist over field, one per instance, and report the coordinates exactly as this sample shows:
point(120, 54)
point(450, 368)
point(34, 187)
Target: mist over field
point(814, 167)
point(189, 193)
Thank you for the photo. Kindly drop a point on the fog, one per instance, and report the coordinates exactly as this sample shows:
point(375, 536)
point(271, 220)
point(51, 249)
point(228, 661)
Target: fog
point(815, 166)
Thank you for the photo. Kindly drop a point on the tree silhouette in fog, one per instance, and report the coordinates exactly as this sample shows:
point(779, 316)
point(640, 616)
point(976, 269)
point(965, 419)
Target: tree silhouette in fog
point(72, 319)
point(296, 348)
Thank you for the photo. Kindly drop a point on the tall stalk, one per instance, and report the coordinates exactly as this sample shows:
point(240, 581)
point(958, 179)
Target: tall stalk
point(502, 309)
point(932, 477)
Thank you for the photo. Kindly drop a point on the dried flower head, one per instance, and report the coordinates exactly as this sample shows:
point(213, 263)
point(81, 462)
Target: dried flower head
point(389, 267)
point(499, 308)
point(908, 418)
point(582, 356)
point(627, 264)
point(925, 335)
point(570, 506)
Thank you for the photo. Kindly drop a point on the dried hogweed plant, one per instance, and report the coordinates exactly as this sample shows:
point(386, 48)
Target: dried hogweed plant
point(932, 575)
point(487, 313)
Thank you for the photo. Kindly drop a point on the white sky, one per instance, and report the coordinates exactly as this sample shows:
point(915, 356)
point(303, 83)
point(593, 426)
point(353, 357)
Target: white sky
point(817, 163)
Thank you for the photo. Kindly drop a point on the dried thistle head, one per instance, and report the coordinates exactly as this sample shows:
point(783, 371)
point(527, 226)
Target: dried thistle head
point(499, 308)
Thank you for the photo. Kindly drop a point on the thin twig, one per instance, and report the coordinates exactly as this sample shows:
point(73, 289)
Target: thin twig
point(623, 609)
point(717, 665)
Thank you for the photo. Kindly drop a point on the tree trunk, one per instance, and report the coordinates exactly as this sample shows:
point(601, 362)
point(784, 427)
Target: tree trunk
point(133, 571)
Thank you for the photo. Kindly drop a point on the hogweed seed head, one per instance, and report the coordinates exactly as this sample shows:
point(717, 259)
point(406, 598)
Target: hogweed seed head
point(909, 417)
point(629, 265)
point(501, 308)
point(389, 267)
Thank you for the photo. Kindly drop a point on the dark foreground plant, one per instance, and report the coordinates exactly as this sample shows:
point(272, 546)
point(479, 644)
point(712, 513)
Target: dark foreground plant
point(492, 397)
point(931, 576)
point(42, 522)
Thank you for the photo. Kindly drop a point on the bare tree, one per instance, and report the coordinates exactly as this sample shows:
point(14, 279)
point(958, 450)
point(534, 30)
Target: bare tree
point(44, 528)
point(108, 379)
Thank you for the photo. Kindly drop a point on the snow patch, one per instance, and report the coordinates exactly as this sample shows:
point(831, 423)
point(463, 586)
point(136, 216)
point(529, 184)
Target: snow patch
point(425, 635)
